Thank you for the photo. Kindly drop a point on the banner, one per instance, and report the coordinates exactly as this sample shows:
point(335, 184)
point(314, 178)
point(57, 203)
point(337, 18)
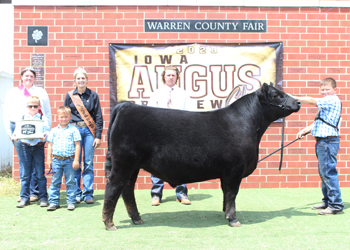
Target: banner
point(213, 75)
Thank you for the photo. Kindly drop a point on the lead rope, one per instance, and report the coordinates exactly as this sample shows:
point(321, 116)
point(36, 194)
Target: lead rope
point(281, 160)
point(281, 148)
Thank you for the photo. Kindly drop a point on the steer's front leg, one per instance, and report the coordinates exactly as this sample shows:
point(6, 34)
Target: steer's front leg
point(230, 192)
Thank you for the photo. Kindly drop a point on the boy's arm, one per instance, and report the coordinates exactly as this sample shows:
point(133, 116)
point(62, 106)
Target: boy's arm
point(307, 100)
point(46, 128)
point(305, 131)
point(77, 154)
point(49, 154)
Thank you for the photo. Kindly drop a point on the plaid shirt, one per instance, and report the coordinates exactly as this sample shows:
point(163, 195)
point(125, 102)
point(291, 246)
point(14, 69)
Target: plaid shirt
point(63, 140)
point(330, 109)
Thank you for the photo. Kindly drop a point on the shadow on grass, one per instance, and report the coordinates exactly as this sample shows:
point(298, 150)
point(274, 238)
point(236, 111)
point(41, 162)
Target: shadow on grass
point(346, 204)
point(206, 219)
point(98, 201)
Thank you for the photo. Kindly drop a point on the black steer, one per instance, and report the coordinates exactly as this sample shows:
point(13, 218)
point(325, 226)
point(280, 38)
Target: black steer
point(185, 147)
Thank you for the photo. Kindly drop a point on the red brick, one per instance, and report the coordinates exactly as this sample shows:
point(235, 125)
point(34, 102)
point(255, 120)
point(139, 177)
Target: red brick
point(72, 43)
point(168, 35)
point(237, 16)
point(51, 15)
point(133, 15)
point(290, 185)
point(296, 16)
point(316, 30)
point(71, 15)
point(126, 22)
point(270, 185)
point(309, 184)
point(126, 9)
point(336, 30)
point(65, 22)
point(137, 29)
point(206, 185)
point(86, 35)
point(92, 16)
point(74, 29)
point(195, 15)
point(65, 35)
point(86, 8)
point(85, 22)
point(216, 15)
point(249, 185)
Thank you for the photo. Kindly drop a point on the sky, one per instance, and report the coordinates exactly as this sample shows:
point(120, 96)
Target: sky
point(6, 38)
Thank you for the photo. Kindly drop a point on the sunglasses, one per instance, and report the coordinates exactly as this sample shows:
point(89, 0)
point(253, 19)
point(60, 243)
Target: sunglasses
point(33, 106)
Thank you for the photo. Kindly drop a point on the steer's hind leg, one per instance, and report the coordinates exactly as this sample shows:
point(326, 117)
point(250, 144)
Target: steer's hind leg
point(129, 199)
point(114, 188)
point(230, 187)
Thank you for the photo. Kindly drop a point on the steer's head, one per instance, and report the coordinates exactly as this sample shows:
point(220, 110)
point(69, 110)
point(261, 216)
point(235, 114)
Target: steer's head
point(281, 103)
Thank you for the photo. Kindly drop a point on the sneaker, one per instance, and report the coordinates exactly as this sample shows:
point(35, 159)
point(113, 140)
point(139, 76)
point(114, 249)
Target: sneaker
point(319, 207)
point(43, 203)
point(34, 198)
point(70, 207)
point(52, 207)
point(329, 211)
point(89, 201)
point(78, 200)
point(155, 200)
point(23, 203)
point(19, 199)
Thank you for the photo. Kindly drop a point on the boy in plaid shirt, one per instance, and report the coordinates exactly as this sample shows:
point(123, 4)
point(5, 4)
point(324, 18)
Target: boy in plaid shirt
point(326, 132)
point(64, 147)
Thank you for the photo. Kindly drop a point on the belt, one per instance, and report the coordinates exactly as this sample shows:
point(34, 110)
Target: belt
point(80, 124)
point(327, 137)
point(38, 144)
point(61, 158)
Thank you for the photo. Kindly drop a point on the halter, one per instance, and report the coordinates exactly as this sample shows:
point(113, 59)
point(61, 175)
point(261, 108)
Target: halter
point(283, 107)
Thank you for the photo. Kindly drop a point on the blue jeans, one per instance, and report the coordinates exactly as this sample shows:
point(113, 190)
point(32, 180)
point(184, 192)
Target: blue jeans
point(326, 152)
point(87, 139)
point(33, 157)
point(34, 188)
point(54, 190)
point(158, 185)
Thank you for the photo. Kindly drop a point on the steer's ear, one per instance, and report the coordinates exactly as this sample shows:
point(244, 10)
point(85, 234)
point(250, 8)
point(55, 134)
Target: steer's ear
point(263, 93)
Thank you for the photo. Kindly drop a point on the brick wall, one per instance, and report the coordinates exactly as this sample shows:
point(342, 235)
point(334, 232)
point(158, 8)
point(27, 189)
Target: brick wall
point(316, 45)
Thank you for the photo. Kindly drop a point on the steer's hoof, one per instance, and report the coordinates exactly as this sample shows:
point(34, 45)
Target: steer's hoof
point(111, 228)
point(234, 223)
point(138, 222)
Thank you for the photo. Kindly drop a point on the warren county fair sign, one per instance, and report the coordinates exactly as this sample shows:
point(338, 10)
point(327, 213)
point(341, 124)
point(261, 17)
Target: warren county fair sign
point(205, 25)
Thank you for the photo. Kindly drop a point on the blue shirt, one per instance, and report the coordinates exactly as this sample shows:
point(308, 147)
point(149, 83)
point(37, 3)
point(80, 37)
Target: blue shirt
point(63, 140)
point(46, 128)
point(330, 109)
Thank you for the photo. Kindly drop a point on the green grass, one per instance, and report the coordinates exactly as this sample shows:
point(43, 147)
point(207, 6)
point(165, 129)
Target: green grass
point(9, 186)
point(271, 219)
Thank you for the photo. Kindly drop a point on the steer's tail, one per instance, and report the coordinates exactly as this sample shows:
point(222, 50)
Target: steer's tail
point(108, 165)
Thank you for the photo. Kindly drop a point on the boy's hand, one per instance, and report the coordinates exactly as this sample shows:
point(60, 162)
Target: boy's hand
point(49, 162)
point(75, 164)
point(44, 138)
point(13, 137)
